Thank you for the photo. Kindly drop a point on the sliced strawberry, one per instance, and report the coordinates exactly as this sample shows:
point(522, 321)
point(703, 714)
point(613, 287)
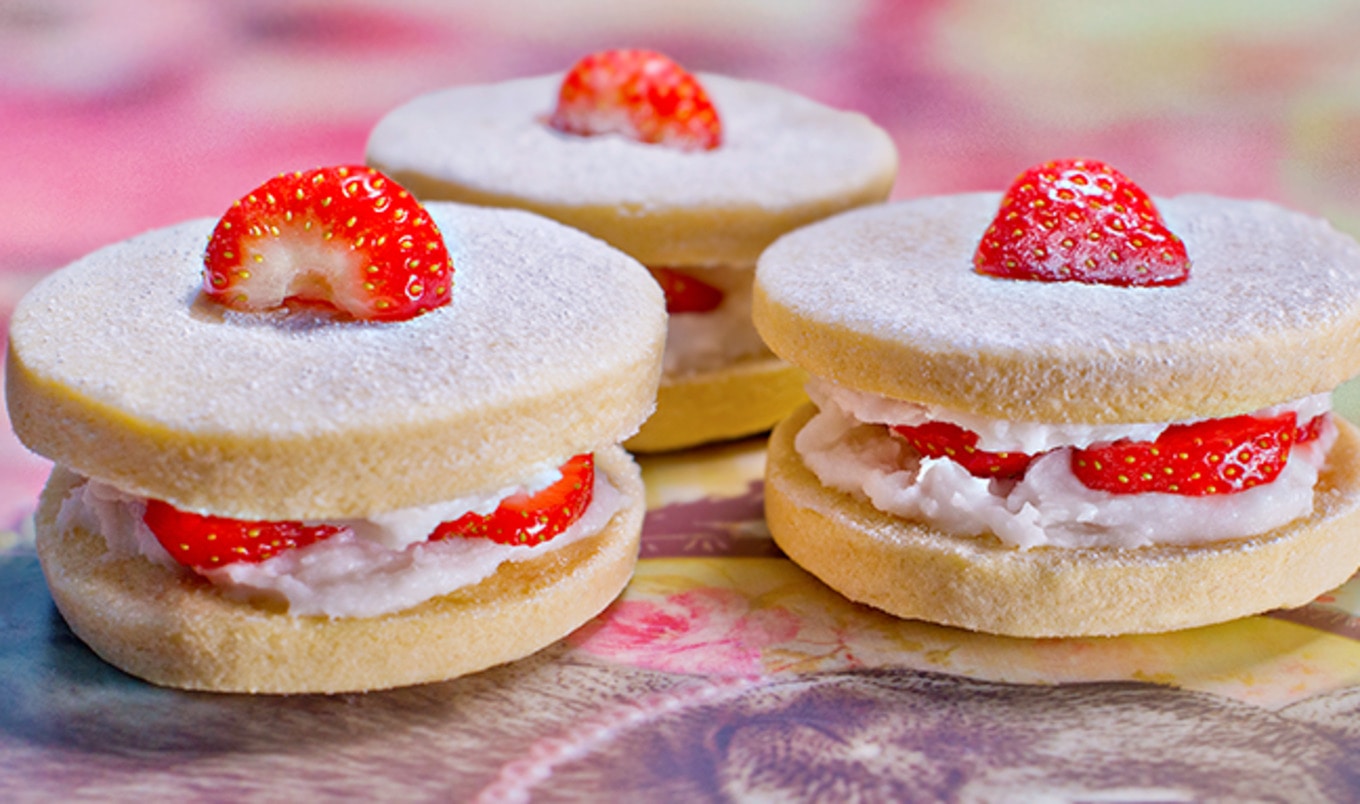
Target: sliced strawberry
point(532, 519)
point(207, 542)
point(939, 439)
point(640, 94)
point(345, 237)
point(1312, 430)
point(685, 293)
point(1216, 456)
point(1080, 221)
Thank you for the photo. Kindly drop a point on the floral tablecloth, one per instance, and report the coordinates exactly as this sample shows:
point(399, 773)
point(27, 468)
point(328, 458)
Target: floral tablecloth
point(724, 671)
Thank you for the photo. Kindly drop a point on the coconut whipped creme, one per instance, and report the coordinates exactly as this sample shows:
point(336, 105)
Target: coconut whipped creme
point(373, 566)
point(849, 447)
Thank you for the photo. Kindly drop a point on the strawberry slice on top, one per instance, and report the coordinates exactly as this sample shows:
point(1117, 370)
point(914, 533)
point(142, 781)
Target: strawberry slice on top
point(1215, 456)
point(1079, 220)
point(345, 237)
point(204, 542)
point(640, 94)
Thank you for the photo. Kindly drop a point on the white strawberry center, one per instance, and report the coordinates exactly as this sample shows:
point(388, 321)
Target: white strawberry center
point(300, 263)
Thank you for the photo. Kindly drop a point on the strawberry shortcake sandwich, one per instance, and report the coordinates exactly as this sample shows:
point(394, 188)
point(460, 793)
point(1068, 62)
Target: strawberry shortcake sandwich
point(1067, 409)
point(692, 174)
point(353, 443)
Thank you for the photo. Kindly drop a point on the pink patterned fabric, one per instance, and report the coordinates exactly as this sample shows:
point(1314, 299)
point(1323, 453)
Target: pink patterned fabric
point(708, 631)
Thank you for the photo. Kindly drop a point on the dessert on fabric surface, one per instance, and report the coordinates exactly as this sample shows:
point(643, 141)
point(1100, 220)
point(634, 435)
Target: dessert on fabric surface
point(1070, 409)
point(693, 174)
point(358, 442)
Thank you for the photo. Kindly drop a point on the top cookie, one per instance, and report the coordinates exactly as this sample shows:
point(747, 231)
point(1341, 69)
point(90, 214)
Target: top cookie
point(551, 346)
point(785, 161)
point(886, 300)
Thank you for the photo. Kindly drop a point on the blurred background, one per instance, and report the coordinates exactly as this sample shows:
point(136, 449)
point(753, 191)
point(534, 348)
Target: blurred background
point(121, 115)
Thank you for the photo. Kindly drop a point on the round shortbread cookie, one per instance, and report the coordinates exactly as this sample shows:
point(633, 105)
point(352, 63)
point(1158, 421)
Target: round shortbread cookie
point(551, 346)
point(744, 398)
point(175, 629)
point(911, 570)
point(885, 300)
point(784, 161)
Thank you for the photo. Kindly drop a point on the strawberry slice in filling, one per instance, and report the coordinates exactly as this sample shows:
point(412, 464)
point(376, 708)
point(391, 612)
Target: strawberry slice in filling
point(686, 293)
point(1214, 456)
point(530, 519)
point(940, 439)
point(203, 542)
point(1256, 472)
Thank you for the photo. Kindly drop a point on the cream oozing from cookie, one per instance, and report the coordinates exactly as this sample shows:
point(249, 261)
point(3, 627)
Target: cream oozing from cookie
point(709, 340)
point(373, 566)
point(849, 447)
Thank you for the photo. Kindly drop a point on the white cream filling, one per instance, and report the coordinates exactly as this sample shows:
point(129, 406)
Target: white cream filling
point(372, 567)
point(710, 340)
point(847, 447)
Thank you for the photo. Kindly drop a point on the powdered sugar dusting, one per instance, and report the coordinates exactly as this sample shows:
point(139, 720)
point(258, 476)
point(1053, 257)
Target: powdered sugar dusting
point(904, 271)
point(121, 327)
point(779, 150)
point(1271, 311)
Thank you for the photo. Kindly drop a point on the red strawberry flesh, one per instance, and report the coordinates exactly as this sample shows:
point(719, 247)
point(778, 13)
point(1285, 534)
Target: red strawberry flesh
point(686, 293)
point(206, 542)
point(1080, 221)
point(1216, 456)
point(640, 94)
point(346, 237)
point(532, 519)
point(940, 439)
